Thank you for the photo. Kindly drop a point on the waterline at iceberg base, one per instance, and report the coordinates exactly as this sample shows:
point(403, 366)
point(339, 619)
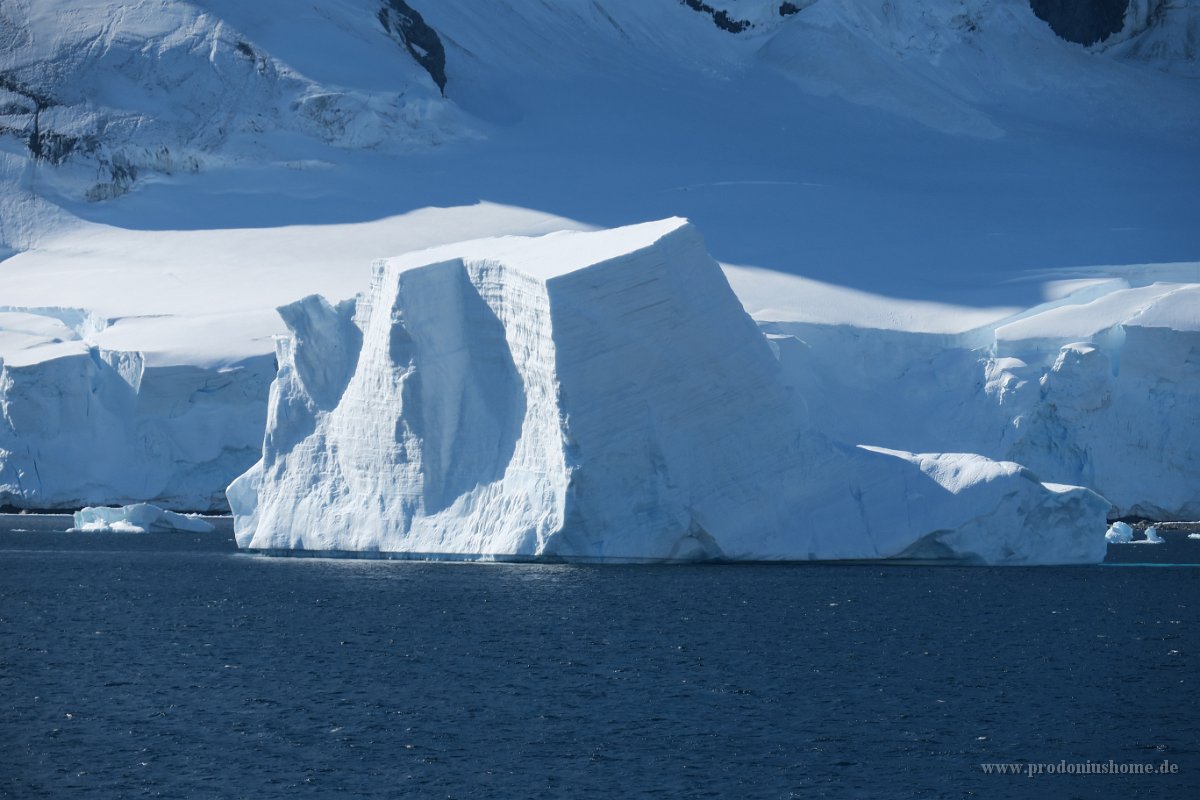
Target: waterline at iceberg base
point(598, 397)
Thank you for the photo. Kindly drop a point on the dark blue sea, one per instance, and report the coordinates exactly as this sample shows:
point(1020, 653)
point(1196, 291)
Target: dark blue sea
point(173, 666)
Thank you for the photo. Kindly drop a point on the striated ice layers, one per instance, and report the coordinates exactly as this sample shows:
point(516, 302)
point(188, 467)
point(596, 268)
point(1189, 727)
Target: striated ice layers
point(598, 396)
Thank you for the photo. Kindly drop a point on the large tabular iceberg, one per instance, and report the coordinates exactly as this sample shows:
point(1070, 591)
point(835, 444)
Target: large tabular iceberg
point(598, 396)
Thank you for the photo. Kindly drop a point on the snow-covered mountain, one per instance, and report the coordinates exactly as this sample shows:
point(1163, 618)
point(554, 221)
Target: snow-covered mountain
point(107, 93)
point(912, 199)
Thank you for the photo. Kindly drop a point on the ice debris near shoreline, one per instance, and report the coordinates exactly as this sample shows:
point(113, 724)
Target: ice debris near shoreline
point(598, 396)
point(136, 518)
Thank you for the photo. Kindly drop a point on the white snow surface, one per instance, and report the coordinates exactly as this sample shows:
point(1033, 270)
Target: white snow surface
point(137, 518)
point(166, 294)
point(162, 88)
point(598, 396)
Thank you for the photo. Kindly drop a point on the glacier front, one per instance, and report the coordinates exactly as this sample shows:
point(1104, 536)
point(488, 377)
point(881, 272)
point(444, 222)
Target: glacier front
point(598, 396)
point(85, 425)
point(1099, 387)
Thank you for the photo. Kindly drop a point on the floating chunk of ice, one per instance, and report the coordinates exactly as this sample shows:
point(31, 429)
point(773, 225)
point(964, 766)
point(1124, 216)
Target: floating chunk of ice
point(1119, 533)
point(137, 518)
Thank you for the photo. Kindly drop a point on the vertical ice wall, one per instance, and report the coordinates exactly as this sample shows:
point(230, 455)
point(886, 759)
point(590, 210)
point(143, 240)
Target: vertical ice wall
point(81, 425)
point(440, 433)
point(1098, 389)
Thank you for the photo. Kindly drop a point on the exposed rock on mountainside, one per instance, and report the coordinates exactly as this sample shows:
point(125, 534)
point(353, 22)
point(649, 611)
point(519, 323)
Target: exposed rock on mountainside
point(421, 41)
point(1084, 23)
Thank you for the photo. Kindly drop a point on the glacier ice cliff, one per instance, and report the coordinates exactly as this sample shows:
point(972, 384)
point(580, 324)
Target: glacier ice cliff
point(1099, 388)
point(83, 425)
point(598, 396)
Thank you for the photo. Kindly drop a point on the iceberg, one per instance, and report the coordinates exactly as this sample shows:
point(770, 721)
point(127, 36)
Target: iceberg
point(1119, 533)
point(136, 518)
point(598, 396)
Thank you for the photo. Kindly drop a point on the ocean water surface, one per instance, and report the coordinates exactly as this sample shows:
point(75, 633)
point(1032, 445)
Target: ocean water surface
point(173, 666)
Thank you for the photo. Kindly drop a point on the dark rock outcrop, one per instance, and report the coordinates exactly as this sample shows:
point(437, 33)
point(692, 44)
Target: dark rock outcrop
point(720, 18)
point(422, 42)
point(1082, 22)
point(43, 145)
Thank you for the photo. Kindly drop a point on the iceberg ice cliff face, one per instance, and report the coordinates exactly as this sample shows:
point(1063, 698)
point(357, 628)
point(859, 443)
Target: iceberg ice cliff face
point(82, 425)
point(597, 396)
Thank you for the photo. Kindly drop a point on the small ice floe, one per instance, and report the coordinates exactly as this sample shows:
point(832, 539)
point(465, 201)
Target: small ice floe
point(137, 518)
point(1151, 535)
point(1194, 535)
point(1119, 533)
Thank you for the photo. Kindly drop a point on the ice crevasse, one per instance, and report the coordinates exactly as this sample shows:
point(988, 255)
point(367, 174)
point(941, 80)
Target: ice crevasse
point(598, 396)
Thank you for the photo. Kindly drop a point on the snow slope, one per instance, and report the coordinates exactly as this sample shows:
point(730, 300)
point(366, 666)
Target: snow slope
point(648, 106)
point(112, 91)
point(597, 396)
